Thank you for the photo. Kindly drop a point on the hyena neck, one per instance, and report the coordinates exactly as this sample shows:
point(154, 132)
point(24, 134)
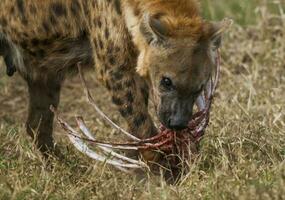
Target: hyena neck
point(132, 20)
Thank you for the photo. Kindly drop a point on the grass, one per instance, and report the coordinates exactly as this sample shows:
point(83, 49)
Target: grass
point(242, 155)
point(244, 12)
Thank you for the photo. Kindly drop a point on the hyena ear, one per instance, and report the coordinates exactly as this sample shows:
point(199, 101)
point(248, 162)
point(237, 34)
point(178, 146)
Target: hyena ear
point(153, 29)
point(217, 31)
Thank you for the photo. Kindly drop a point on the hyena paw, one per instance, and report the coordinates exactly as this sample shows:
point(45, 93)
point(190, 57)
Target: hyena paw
point(10, 67)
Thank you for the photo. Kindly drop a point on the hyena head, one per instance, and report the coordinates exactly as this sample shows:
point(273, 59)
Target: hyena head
point(177, 57)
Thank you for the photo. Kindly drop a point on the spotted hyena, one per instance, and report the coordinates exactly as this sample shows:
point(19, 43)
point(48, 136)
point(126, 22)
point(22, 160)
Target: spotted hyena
point(138, 47)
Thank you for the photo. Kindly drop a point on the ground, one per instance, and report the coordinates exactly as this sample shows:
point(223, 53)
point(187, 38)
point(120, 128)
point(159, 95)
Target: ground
point(242, 154)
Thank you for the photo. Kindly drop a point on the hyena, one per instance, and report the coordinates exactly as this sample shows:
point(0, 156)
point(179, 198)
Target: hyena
point(137, 47)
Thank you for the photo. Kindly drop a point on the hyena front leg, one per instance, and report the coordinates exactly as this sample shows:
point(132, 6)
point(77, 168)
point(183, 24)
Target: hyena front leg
point(40, 119)
point(129, 93)
point(8, 51)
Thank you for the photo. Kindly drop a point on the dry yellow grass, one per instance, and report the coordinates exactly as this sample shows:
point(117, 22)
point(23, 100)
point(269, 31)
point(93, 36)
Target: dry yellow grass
point(242, 154)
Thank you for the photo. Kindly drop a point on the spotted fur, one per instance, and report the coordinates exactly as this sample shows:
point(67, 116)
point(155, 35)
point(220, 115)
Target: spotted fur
point(44, 40)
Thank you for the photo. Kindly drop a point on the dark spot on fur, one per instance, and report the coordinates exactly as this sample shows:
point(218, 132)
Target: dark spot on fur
point(95, 43)
point(12, 11)
point(117, 101)
point(98, 22)
point(40, 53)
point(58, 9)
point(129, 83)
point(107, 34)
point(137, 12)
point(112, 60)
point(117, 75)
point(107, 66)
point(145, 94)
point(98, 55)
point(117, 87)
point(33, 9)
point(25, 35)
point(101, 44)
point(102, 72)
point(108, 85)
point(86, 10)
point(47, 41)
point(75, 7)
point(32, 53)
point(52, 19)
point(130, 97)
point(67, 25)
point(125, 67)
point(94, 4)
point(109, 49)
point(139, 120)
point(63, 50)
point(21, 8)
point(127, 111)
point(24, 44)
point(46, 27)
point(14, 31)
point(3, 22)
point(117, 49)
point(118, 7)
point(35, 42)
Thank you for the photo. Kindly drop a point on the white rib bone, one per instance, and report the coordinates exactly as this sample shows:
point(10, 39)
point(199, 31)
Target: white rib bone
point(71, 131)
point(99, 111)
point(87, 132)
point(200, 102)
point(201, 126)
point(218, 69)
point(209, 89)
point(82, 147)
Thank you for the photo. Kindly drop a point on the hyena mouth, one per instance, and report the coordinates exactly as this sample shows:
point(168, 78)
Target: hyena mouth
point(167, 141)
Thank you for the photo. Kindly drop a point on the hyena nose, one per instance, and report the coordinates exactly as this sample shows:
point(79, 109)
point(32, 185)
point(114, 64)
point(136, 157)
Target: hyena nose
point(177, 125)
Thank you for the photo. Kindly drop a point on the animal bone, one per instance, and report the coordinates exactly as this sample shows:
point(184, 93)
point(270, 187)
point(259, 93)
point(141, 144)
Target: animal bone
point(164, 141)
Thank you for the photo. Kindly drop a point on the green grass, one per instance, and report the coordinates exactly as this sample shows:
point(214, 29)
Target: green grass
point(242, 154)
point(243, 12)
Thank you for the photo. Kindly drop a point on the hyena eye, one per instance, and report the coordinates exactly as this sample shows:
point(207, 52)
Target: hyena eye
point(166, 83)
